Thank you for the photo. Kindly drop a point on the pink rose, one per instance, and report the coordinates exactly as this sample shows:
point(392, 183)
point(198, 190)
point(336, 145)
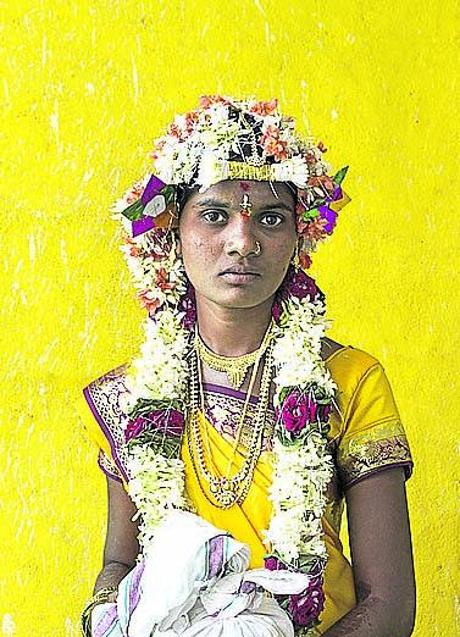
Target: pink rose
point(297, 410)
point(306, 607)
point(168, 421)
point(134, 428)
point(272, 563)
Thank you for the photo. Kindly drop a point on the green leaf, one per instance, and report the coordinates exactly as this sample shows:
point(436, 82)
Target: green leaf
point(310, 214)
point(168, 192)
point(134, 211)
point(340, 175)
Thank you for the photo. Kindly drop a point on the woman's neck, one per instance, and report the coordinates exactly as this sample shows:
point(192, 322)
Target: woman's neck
point(231, 331)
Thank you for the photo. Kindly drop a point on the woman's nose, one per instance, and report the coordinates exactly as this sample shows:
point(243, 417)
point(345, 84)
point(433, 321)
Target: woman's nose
point(240, 237)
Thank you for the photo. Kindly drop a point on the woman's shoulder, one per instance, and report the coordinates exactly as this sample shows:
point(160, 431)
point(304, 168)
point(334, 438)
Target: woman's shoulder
point(349, 367)
point(106, 381)
point(346, 356)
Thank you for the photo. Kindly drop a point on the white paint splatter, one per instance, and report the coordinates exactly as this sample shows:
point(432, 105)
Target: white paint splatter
point(334, 114)
point(70, 628)
point(89, 88)
point(88, 174)
point(44, 51)
point(135, 80)
point(51, 347)
point(8, 625)
point(267, 33)
point(54, 121)
point(351, 38)
point(32, 248)
point(260, 7)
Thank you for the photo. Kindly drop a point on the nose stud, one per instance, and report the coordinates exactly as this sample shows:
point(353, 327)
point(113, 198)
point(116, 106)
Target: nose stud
point(258, 249)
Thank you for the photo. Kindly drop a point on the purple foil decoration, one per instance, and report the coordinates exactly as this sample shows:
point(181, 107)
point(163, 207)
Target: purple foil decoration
point(153, 187)
point(337, 194)
point(330, 216)
point(139, 226)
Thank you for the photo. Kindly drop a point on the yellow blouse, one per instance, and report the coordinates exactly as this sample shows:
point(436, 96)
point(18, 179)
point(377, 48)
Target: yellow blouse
point(366, 436)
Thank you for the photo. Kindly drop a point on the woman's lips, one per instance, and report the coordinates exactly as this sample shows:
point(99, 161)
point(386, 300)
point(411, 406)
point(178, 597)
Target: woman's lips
point(239, 277)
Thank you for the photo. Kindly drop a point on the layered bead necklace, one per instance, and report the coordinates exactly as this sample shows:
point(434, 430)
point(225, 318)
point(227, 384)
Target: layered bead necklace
point(226, 490)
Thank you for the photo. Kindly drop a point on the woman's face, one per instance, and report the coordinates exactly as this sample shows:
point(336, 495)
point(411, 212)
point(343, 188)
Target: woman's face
point(220, 244)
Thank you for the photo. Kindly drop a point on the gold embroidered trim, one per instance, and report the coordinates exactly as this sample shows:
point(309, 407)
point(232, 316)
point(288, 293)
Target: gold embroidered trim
point(380, 446)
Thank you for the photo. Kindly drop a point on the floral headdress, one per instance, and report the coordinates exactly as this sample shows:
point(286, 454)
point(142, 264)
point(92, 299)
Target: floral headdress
point(235, 139)
point(224, 139)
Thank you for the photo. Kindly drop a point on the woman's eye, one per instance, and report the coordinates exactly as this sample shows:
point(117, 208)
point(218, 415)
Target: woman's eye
point(271, 219)
point(214, 216)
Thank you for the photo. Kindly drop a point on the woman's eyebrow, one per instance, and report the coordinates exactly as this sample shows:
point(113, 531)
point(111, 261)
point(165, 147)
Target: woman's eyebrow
point(218, 203)
point(276, 206)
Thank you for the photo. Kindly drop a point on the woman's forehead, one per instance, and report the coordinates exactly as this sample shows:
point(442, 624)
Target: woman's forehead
point(260, 192)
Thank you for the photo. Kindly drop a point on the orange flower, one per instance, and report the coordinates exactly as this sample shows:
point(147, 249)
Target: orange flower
point(207, 100)
point(304, 260)
point(272, 143)
point(265, 108)
point(175, 131)
point(146, 301)
point(321, 181)
point(313, 229)
point(162, 280)
point(158, 147)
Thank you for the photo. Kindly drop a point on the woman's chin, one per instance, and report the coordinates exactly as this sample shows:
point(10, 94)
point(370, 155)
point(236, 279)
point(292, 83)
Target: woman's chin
point(240, 298)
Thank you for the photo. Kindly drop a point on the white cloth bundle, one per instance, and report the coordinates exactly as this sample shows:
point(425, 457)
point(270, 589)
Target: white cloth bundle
point(194, 582)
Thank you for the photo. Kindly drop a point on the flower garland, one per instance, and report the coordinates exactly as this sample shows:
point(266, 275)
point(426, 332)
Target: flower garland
point(302, 463)
point(199, 149)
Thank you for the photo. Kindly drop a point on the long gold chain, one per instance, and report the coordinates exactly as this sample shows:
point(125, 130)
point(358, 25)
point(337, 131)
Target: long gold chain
point(242, 417)
point(227, 491)
point(236, 367)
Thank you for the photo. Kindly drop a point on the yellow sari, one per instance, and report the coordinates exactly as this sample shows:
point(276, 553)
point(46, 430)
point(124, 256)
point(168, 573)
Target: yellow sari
point(366, 436)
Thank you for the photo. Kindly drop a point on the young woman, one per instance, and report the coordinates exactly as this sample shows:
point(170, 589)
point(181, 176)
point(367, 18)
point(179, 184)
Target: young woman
point(241, 416)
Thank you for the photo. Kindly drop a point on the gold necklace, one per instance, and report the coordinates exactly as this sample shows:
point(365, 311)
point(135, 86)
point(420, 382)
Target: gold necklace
point(236, 367)
point(225, 490)
point(242, 417)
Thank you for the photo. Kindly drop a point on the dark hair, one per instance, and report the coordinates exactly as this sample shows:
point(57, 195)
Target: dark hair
point(183, 192)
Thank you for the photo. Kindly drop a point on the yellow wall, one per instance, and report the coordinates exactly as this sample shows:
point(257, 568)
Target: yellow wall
point(86, 87)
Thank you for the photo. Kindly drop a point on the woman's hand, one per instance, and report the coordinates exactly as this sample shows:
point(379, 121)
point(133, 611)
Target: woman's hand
point(381, 553)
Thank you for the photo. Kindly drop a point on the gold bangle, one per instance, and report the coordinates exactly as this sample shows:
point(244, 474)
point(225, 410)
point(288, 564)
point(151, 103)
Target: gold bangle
point(100, 597)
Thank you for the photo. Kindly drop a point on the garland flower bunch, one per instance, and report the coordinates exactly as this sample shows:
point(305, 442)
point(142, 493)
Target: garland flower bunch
point(222, 139)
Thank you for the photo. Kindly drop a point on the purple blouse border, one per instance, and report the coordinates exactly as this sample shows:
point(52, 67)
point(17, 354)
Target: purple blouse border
point(108, 473)
point(102, 425)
